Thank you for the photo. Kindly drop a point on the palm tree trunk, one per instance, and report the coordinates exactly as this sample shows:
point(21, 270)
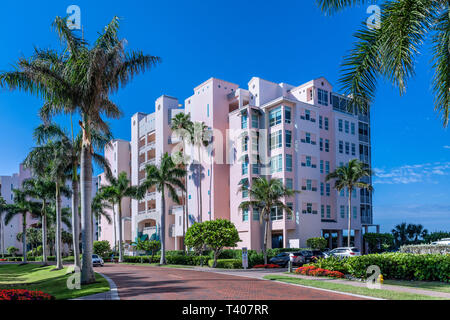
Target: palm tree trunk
point(266, 235)
point(200, 166)
point(163, 228)
point(349, 217)
point(59, 264)
point(120, 233)
point(114, 226)
point(24, 238)
point(87, 270)
point(44, 234)
point(75, 224)
point(2, 238)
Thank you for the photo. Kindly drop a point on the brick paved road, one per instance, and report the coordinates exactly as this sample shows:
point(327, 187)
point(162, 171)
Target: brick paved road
point(153, 283)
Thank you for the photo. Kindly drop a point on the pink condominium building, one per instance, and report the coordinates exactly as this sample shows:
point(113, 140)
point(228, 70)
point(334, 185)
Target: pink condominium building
point(279, 131)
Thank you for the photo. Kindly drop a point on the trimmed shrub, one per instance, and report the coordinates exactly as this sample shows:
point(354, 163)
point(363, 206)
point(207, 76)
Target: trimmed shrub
point(101, 248)
point(226, 263)
point(317, 243)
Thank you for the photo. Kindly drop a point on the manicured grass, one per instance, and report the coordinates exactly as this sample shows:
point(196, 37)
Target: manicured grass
point(425, 285)
point(36, 278)
point(330, 285)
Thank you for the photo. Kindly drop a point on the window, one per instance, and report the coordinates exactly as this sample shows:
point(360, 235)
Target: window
point(321, 166)
point(347, 127)
point(255, 121)
point(255, 146)
point(347, 148)
point(327, 167)
point(353, 149)
point(245, 166)
point(320, 122)
point(322, 211)
point(328, 212)
point(307, 115)
point(323, 97)
point(245, 215)
point(290, 215)
point(255, 168)
point(308, 161)
point(322, 189)
point(353, 128)
point(309, 184)
point(244, 120)
point(327, 145)
point(341, 146)
point(244, 192)
point(275, 117)
point(245, 144)
point(342, 211)
point(287, 115)
point(328, 189)
point(276, 140)
point(321, 144)
point(276, 213)
point(308, 137)
point(288, 139)
point(289, 163)
point(276, 164)
point(355, 214)
point(255, 214)
point(342, 193)
point(290, 184)
point(207, 110)
point(340, 125)
point(327, 124)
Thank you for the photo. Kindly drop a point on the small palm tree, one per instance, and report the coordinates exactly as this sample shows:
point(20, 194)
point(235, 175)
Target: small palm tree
point(390, 51)
point(116, 190)
point(166, 177)
point(349, 177)
point(400, 233)
point(182, 126)
point(264, 196)
point(22, 206)
point(2, 235)
point(44, 190)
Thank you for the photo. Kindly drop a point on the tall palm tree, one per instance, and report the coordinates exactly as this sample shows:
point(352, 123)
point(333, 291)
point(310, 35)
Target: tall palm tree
point(200, 139)
point(265, 195)
point(44, 190)
point(400, 233)
point(2, 235)
point(166, 177)
point(349, 177)
point(182, 126)
point(80, 80)
point(116, 190)
point(389, 52)
point(53, 132)
point(22, 206)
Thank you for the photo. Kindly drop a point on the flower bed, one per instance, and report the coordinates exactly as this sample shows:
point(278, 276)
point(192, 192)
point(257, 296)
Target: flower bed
point(13, 295)
point(266, 266)
point(319, 272)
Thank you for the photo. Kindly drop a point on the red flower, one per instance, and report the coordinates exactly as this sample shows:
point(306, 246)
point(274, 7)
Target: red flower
point(21, 294)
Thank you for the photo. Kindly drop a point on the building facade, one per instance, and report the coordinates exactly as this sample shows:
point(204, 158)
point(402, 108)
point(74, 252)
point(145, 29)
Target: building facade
point(297, 134)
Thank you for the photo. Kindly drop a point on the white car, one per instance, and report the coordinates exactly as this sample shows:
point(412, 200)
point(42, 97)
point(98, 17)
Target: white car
point(442, 242)
point(97, 261)
point(343, 252)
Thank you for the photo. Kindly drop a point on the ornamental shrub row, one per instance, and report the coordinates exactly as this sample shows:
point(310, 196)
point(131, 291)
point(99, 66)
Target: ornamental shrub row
point(171, 259)
point(399, 266)
point(319, 272)
point(226, 263)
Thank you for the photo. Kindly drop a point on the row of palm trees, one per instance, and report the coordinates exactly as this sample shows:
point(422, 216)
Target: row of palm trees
point(266, 194)
point(78, 80)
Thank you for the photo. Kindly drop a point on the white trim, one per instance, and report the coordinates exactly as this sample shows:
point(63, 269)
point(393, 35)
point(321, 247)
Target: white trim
point(114, 293)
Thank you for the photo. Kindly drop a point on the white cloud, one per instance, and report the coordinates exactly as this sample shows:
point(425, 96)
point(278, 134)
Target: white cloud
point(412, 173)
point(446, 147)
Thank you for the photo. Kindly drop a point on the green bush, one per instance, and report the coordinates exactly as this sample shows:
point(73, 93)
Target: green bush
point(226, 263)
point(171, 259)
point(399, 266)
point(317, 243)
point(101, 248)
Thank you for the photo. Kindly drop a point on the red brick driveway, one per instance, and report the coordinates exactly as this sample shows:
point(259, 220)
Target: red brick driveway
point(153, 283)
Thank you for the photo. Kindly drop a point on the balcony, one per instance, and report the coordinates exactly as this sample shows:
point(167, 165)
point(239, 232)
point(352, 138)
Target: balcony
point(148, 147)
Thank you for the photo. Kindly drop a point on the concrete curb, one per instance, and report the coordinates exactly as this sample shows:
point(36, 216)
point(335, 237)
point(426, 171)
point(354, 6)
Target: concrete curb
point(114, 292)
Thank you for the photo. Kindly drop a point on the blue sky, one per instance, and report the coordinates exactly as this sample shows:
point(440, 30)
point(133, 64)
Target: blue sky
point(284, 41)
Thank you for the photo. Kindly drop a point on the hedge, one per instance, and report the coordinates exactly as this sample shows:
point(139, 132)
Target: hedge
point(171, 259)
point(399, 266)
point(226, 263)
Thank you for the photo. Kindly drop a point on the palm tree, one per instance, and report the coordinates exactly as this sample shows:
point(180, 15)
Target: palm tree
point(116, 190)
point(52, 132)
point(414, 231)
point(2, 235)
point(165, 177)
point(390, 51)
point(22, 206)
point(44, 190)
point(200, 139)
point(349, 177)
point(264, 196)
point(400, 233)
point(80, 80)
point(66, 219)
point(182, 126)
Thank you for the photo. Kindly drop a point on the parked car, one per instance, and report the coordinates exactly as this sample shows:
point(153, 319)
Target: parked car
point(343, 252)
point(281, 259)
point(97, 261)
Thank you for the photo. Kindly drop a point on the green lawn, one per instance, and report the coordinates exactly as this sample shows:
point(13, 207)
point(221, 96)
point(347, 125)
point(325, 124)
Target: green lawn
point(425, 285)
point(36, 278)
point(330, 285)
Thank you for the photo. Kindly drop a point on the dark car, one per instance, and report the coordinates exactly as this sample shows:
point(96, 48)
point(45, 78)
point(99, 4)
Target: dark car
point(281, 259)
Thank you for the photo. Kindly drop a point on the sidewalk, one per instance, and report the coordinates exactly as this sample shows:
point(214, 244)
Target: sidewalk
point(260, 274)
